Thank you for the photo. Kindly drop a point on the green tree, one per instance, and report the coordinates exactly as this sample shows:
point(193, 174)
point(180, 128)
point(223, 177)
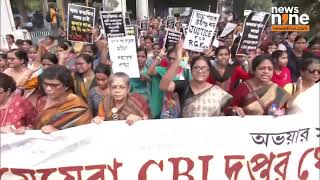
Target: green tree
point(255, 5)
point(22, 10)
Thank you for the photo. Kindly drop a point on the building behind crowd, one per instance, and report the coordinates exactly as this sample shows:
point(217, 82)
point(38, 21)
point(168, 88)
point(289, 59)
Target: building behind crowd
point(26, 11)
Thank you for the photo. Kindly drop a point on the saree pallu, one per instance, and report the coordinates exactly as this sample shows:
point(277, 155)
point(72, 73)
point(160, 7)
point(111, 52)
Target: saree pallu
point(136, 105)
point(206, 104)
point(82, 88)
point(31, 90)
point(258, 101)
point(73, 112)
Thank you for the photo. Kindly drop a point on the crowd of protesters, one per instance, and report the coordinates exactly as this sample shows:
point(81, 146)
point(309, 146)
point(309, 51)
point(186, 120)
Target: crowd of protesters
point(56, 84)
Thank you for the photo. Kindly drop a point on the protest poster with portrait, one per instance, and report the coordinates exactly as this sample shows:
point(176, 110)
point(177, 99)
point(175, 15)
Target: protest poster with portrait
point(200, 30)
point(81, 20)
point(132, 30)
point(128, 21)
point(253, 28)
point(172, 38)
point(124, 55)
point(113, 24)
point(170, 23)
point(144, 25)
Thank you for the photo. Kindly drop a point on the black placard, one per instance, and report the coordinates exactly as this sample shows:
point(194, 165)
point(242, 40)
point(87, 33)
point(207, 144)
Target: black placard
point(127, 20)
point(172, 38)
point(254, 26)
point(80, 23)
point(144, 25)
point(113, 24)
point(170, 22)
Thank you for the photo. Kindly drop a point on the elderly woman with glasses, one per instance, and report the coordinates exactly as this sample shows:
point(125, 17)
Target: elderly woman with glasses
point(60, 109)
point(120, 104)
point(198, 98)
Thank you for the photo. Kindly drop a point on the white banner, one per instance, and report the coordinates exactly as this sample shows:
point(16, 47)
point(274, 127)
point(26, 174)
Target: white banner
point(123, 55)
point(200, 148)
point(200, 30)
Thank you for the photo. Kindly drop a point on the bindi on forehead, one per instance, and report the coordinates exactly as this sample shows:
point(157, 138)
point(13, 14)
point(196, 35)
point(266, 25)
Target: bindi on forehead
point(118, 81)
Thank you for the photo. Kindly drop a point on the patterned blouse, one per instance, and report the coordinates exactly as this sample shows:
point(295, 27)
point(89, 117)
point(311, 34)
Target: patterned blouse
point(94, 99)
point(19, 112)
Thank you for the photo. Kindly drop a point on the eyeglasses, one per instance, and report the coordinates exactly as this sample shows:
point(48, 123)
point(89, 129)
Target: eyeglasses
point(171, 58)
point(313, 71)
point(202, 68)
point(52, 85)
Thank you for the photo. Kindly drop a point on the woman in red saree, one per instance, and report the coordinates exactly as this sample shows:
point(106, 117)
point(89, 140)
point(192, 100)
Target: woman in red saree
point(16, 113)
point(257, 95)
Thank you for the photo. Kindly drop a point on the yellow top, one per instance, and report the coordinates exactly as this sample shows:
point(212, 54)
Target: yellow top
point(290, 88)
point(53, 15)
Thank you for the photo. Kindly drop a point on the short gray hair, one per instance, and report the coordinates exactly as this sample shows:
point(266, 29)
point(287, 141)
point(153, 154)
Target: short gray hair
point(121, 75)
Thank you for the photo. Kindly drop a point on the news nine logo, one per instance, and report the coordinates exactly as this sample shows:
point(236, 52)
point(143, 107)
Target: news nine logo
point(289, 19)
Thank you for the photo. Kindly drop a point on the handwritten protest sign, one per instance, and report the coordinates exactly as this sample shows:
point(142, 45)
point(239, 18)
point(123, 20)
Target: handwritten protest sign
point(144, 25)
point(200, 30)
point(172, 38)
point(81, 20)
point(253, 28)
point(132, 30)
point(263, 148)
point(124, 56)
point(228, 29)
point(113, 24)
point(170, 23)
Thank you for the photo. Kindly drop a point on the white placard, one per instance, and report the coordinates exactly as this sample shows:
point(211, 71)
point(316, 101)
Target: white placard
point(123, 55)
point(200, 30)
point(246, 12)
point(228, 29)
